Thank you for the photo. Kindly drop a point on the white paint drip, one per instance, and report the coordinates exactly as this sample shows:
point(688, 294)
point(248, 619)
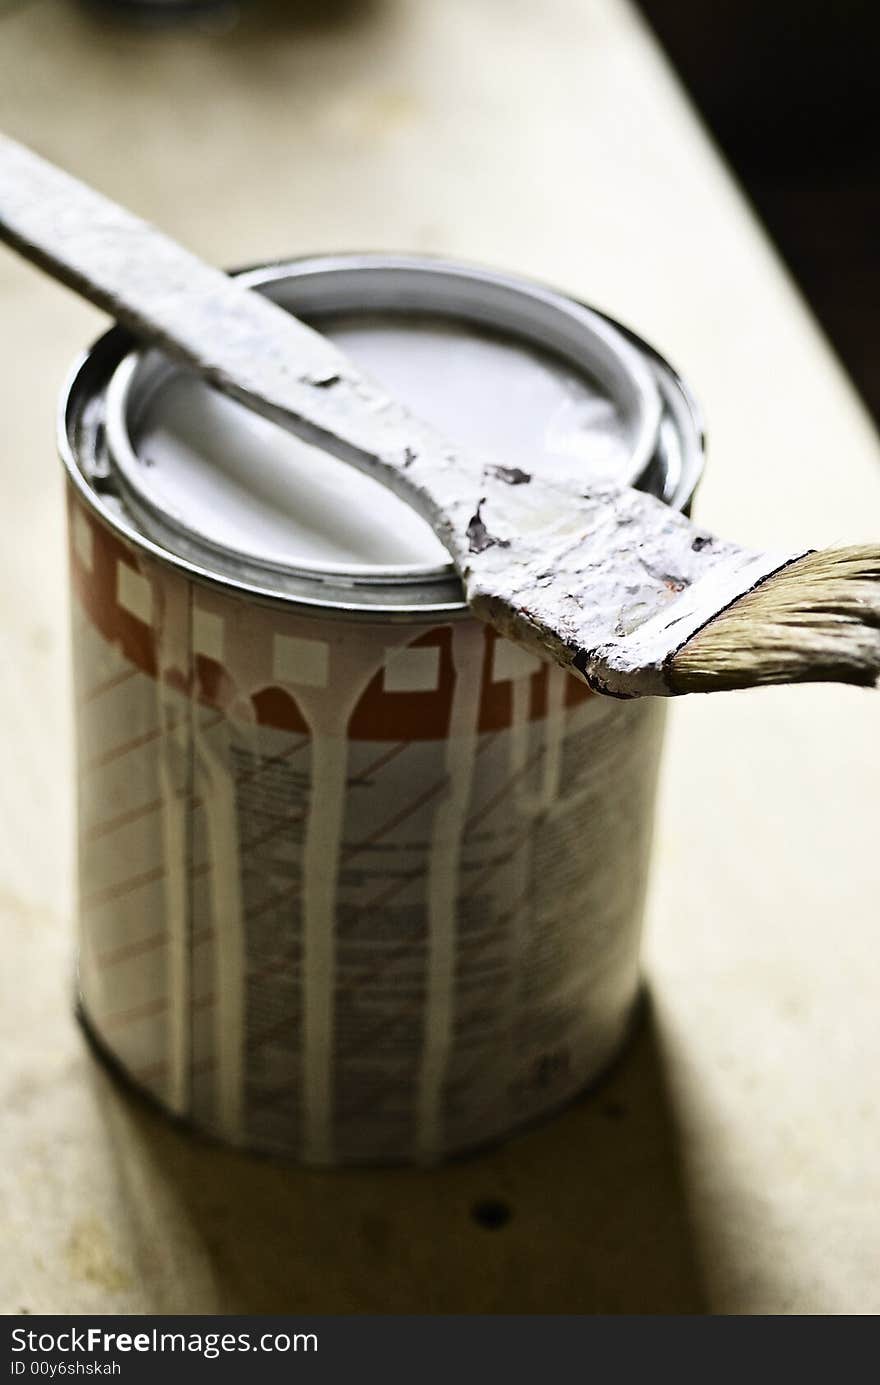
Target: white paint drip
point(326, 711)
point(172, 651)
point(520, 694)
point(519, 870)
point(320, 871)
point(327, 716)
point(215, 788)
point(532, 751)
point(443, 886)
point(554, 735)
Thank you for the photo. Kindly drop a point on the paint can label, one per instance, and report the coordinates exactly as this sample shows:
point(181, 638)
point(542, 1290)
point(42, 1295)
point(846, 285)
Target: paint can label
point(349, 891)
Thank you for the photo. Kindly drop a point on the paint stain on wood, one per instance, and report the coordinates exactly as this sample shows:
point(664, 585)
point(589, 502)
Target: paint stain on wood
point(90, 1258)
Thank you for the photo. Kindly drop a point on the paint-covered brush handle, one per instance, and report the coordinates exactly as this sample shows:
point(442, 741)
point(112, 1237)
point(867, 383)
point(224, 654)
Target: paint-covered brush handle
point(236, 339)
point(607, 581)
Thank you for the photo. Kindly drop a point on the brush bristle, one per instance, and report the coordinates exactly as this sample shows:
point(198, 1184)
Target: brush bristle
point(817, 620)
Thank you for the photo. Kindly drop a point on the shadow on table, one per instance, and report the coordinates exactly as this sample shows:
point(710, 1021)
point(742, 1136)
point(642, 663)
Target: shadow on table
point(260, 15)
point(586, 1213)
point(240, 18)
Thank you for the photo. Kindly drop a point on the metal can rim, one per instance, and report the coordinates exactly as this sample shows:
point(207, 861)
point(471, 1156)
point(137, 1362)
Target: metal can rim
point(340, 594)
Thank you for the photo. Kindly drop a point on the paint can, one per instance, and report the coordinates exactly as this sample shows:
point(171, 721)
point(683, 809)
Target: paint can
point(359, 881)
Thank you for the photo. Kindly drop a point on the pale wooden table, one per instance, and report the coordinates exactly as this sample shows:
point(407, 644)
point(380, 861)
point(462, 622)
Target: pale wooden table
point(729, 1164)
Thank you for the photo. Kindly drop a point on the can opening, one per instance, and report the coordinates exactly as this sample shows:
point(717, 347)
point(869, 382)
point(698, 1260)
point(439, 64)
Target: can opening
point(542, 388)
point(508, 368)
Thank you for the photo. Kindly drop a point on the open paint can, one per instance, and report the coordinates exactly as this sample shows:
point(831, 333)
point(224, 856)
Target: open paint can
point(359, 881)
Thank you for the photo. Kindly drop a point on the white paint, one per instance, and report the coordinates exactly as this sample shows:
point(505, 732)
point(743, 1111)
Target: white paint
point(554, 735)
point(176, 917)
point(215, 788)
point(172, 645)
point(207, 634)
point(521, 695)
point(412, 670)
point(133, 592)
point(518, 873)
point(512, 662)
point(320, 873)
point(353, 669)
point(443, 886)
point(249, 486)
point(304, 663)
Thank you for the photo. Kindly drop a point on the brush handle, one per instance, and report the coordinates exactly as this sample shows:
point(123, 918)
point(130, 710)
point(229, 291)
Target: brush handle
point(607, 581)
point(236, 339)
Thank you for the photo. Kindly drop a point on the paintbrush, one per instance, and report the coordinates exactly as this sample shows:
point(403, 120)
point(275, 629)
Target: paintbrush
point(619, 589)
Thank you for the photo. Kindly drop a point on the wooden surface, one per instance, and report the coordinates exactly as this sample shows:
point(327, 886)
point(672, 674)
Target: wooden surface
point(729, 1163)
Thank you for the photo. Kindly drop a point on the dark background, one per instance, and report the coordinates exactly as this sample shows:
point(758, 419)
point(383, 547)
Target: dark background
point(789, 89)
